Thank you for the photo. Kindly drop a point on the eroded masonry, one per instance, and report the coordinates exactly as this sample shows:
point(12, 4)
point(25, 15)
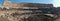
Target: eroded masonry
point(28, 12)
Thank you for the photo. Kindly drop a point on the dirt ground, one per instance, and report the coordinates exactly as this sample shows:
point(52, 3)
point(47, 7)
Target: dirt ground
point(57, 19)
point(3, 19)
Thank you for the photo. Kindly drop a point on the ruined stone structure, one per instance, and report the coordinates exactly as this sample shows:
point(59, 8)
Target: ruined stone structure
point(27, 12)
point(6, 3)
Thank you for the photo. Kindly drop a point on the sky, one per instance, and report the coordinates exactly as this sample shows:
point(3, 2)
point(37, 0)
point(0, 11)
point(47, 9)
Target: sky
point(54, 2)
point(1, 1)
point(33, 1)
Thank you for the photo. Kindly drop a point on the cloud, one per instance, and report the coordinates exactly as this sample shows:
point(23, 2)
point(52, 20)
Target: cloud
point(56, 3)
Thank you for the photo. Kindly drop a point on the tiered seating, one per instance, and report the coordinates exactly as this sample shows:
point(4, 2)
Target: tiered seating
point(29, 11)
